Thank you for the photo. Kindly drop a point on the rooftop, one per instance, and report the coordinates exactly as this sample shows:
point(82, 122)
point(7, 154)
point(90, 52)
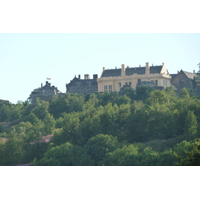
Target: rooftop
point(131, 70)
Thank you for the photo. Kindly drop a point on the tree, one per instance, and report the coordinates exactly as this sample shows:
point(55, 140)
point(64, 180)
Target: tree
point(123, 100)
point(184, 93)
point(13, 152)
point(181, 148)
point(41, 109)
point(148, 157)
point(143, 92)
point(71, 129)
point(32, 118)
point(130, 92)
point(49, 124)
point(99, 145)
point(193, 156)
point(158, 97)
point(125, 156)
point(191, 125)
point(65, 155)
point(108, 120)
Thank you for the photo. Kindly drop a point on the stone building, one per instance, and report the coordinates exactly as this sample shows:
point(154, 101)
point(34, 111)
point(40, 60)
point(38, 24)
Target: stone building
point(150, 84)
point(183, 79)
point(114, 79)
point(45, 93)
point(84, 86)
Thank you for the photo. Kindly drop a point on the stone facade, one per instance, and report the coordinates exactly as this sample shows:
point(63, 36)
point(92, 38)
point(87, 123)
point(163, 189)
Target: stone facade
point(43, 93)
point(114, 79)
point(183, 79)
point(84, 86)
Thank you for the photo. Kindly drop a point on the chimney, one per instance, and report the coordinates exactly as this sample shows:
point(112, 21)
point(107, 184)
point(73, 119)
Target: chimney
point(86, 76)
point(104, 68)
point(79, 76)
point(163, 64)
point(41, 85)
point(177, 72)
point(147, 72)
point(123, 70)
point(193, 71)
point(95, 76)
point(47, 83)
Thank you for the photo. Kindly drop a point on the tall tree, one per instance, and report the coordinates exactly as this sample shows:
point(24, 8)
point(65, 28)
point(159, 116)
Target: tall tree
point(191, 125)
point(49, 124)
point(99, 145)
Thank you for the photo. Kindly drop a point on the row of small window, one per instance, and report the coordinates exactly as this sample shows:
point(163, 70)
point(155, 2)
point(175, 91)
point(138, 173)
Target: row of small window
point(126, 83)
point(107, 88)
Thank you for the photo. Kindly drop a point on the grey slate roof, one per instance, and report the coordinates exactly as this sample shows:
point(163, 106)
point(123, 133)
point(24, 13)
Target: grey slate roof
point(135, 70)
point(111, 72)
point(189, 74)
point(131, 71)
point(155, 69)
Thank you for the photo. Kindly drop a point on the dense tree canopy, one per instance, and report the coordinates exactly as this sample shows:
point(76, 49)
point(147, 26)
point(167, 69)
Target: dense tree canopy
point(135, 127)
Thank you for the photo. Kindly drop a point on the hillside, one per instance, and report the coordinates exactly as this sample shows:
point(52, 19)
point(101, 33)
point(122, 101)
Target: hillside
point(137, 128)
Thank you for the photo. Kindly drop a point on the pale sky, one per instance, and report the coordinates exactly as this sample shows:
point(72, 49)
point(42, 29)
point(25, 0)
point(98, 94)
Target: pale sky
point(61, 39)
point(26, 59)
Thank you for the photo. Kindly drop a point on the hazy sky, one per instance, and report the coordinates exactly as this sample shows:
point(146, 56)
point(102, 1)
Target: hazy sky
point(26, 60)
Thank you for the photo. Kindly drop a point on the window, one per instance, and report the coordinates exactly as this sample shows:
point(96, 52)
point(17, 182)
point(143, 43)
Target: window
point(120, 85)
point(110, 88)
point(105, 88)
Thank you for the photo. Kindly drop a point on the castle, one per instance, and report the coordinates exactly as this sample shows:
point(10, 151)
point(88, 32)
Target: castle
point(116, 79)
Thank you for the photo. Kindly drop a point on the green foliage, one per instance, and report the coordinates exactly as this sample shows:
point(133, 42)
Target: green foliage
point(10, 112)
point(41, 109)
point(125, 156)
point(184, 93)
point(59, 122)
point(32, 118)
point(191, 125)
point(67, 103)
point(49, 124)
point(107, 97)
point(35, 150)
point(143, 92)
point(193, 156)
point(129, 92)
point(71, 130)
point(123, 100)
point(181, 148)
point(148, 157)
point(108, 120)
point(11, 152)
point(65, 155)
point(99, 145)
point(146, 127)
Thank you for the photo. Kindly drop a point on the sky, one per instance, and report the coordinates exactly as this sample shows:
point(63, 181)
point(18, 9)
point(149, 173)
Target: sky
point(28, 59)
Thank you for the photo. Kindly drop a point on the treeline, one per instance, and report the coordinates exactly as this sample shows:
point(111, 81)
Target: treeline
point(137, 127)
